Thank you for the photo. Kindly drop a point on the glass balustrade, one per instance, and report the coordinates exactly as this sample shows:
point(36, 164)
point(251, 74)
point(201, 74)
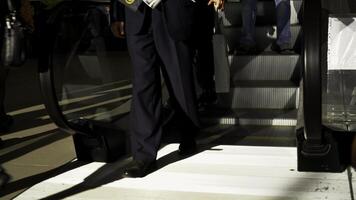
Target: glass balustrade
point(339, 98)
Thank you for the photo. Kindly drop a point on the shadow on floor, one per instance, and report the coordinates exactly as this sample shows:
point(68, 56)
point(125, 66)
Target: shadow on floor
point(111, 172)
point(39, 141)
point(32, 180)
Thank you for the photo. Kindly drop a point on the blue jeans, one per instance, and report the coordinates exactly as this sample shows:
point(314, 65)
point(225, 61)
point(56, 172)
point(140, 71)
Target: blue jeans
point(249, 18)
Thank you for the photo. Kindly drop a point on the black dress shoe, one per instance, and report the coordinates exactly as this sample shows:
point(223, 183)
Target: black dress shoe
point(187, 147)
point(139, 169)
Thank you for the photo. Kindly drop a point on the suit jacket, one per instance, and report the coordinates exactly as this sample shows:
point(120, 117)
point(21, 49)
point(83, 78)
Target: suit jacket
point(180, 17)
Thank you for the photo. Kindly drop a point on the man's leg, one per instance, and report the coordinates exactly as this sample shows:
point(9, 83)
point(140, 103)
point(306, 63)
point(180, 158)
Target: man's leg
point(283, 23)
point(204, 65)
point(146, 104)
point(204, 58)
point(247, 40)
point(204, 62)
point(177, 60)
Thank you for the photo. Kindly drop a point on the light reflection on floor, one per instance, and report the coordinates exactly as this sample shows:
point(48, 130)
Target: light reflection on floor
point(222, 172)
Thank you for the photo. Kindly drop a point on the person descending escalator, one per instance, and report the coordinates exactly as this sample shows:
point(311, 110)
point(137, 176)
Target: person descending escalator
point(248, 43)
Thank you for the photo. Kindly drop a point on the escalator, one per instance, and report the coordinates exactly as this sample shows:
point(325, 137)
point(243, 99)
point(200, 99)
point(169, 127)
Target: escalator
point(292, 96)
point(84, 74)
point(260, 99)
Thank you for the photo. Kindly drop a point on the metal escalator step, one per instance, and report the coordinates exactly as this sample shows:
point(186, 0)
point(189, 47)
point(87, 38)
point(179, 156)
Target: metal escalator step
point(261, 98)
point(265, 13)
point(265, 67)
point(245, 117)
point(264, 83)
point(255, 136)
point(265, 36)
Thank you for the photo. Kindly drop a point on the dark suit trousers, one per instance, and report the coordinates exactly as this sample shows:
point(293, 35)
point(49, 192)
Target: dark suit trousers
point(148, 50)
point(204, 46)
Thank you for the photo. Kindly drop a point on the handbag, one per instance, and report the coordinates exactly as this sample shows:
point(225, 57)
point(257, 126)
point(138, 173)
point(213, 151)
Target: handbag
point(13, 50)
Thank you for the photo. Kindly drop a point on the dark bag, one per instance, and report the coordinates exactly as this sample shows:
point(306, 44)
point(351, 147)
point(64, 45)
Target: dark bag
point(13, 50)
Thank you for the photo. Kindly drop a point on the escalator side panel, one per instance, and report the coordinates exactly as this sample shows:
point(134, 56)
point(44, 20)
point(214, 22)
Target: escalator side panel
point(87, 110)
point(335, 158)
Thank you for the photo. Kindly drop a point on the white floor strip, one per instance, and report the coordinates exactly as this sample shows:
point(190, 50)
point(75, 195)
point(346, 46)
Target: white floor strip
point(223, 172)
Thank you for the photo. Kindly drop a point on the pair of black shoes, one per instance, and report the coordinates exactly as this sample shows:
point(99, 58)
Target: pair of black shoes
point(139, 169)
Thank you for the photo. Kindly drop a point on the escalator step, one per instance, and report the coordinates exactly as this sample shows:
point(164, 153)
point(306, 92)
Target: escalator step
point(261, 97)
point(265, 36)
point(250, 117)
point(265, 67)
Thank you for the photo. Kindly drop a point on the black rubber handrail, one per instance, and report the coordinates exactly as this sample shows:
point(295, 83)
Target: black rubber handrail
point(312, 98)
point(46, 72)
